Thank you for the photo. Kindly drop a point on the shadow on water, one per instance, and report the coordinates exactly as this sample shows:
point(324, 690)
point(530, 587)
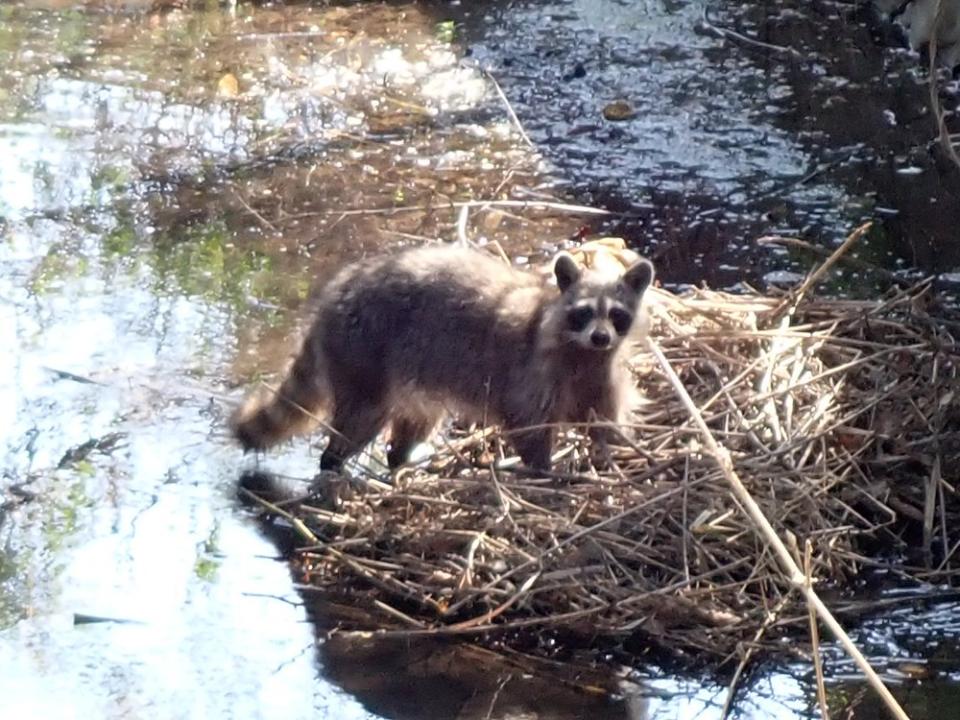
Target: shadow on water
point(175, 184)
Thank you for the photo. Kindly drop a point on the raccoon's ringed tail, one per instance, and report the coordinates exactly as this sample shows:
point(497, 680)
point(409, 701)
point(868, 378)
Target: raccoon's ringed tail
point(250, 425)
point(263, 421)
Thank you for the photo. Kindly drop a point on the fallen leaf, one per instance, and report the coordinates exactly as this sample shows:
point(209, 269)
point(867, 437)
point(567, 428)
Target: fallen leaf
point(618, 110)
point(228, 86)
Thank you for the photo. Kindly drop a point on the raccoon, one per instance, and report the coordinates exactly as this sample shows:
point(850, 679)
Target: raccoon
point(401, 339)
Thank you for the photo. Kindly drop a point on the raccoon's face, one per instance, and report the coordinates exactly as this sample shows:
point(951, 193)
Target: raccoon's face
point(599, 315)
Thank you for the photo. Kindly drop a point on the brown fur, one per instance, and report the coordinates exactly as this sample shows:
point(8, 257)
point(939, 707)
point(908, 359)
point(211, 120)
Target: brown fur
point(401, 339)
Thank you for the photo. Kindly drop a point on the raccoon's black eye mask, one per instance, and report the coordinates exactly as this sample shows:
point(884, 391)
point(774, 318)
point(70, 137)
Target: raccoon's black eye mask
point(621, 320)
point(579, 318)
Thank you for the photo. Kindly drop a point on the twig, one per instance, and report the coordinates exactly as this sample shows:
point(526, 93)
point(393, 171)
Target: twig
point(260, 218)
point(392, 611)
point(815, 634)
point(445, 630)
point(771, 618)
point(824, 253)
point(66, 375)
point(510, 112)
point(819, 170)
point(296, 522)
point(486, 618)
point(496, 695)
point(525, 204)
point(462, 238)
point(281, 35)
point(732, 35)
point(930, 507)
point(321, 422)
point(797, 296)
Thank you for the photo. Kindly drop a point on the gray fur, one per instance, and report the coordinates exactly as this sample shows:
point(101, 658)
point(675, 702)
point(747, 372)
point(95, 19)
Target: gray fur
point(401, 339)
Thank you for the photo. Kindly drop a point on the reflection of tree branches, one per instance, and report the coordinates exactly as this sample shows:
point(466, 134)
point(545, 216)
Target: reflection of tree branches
point(935, 105)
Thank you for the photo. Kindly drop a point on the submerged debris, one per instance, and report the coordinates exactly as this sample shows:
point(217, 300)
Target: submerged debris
point(840, 418)
point(105, 444)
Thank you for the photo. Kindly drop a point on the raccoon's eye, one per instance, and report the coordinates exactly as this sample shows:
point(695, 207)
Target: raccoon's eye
point(579, 318)
point(621, 320)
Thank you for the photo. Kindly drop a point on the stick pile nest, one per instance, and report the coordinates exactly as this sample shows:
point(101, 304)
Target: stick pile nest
point(841, 421)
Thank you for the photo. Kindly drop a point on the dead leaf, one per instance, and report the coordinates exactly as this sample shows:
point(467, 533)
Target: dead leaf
point(618, 110)
point(228, 86)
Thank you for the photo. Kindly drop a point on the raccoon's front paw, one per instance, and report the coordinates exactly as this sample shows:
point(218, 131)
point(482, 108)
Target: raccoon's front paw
point(535, 451)
point(600, 455)
point(603, 439)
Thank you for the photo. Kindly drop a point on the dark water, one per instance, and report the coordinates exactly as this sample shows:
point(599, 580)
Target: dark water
point(174, 183)
point(731, 142)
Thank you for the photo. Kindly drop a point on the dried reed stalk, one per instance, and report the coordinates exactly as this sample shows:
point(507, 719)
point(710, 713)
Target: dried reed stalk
point(839, 422)
point(791, 569)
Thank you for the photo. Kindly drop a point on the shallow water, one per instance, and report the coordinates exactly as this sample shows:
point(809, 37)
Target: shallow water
point(731, 142)
point(174, 186)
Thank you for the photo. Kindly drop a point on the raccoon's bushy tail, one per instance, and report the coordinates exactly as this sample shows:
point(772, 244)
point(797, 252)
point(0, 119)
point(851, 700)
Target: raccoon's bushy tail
point(267, 418)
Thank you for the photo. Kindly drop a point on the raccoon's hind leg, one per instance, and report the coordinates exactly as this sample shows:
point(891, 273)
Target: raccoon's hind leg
point(408, 430)
point(356, 422)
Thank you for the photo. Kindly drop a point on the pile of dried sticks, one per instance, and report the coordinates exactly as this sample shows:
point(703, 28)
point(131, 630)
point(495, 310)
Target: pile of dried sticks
point(837, 418)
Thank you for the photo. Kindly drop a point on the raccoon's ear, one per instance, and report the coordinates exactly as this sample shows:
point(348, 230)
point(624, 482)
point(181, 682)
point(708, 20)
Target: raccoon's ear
point(566, 270)
point(639, 276)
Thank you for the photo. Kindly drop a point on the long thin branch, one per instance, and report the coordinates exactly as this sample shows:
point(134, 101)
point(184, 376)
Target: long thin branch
point(510, 111)
point(818, 274)
point(789, 566)
point(726, 34)
point(527, 204)
point(943, 134)
point(815, 636)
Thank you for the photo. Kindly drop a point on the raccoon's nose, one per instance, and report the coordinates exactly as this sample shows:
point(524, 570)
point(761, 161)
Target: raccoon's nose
point(600, 338)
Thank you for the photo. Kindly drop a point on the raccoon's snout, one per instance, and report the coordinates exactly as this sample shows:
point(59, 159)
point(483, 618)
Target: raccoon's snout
point(600, 338)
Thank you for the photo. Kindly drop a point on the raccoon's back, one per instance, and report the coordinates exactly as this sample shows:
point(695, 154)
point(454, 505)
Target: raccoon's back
point(440, 319)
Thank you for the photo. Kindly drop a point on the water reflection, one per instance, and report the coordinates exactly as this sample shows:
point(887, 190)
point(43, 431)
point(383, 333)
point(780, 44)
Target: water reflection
point(807, 142)
point(151, 209)
point(174, 186)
